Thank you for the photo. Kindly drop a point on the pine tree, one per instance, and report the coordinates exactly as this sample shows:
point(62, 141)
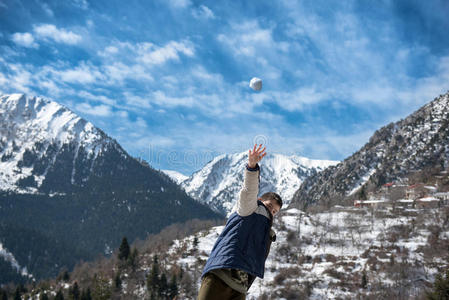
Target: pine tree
point(364, 280)
point(117, 282)
point(59, 295)
point(181, 273)
point(101, 288)
point(132, 260)
point(440, 288)
point(163, 286)
point(173, 287)
point(17, 294)
point(66, 276)
point(74, 292)
point(362, 193)
point(85, 295)
point(43, 297)
point(195, 243)
point(153, 279)
point(123, 253)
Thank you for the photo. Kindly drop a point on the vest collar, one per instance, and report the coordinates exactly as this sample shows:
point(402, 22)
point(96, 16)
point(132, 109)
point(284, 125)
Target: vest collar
point(269, 212)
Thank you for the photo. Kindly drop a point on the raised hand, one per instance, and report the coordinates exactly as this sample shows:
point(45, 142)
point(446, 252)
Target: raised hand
point(256, 155)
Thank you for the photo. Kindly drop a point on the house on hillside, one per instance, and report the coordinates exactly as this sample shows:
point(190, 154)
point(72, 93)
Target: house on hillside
point(428, 202)
point(443, 196)
point(372, 203)
point(415, 191)
point(431, 189)
point(405, 203)
point(387, 186)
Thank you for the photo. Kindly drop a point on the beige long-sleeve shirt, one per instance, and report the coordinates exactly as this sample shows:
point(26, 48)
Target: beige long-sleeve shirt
point(247, 202)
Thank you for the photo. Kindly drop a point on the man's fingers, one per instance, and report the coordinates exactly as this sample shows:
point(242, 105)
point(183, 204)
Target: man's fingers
point(260, 153)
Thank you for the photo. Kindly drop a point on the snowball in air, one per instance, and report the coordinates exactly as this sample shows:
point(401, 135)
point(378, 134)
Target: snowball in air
point(255, 84)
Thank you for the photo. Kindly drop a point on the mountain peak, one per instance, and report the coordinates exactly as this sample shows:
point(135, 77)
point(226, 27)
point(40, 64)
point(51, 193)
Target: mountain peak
point(219, 182)
point(40, 118)
point(37, 127)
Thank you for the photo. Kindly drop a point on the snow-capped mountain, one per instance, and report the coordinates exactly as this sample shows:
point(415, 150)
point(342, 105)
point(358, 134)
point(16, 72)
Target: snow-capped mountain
point(35, 129)
point(219, 182)
point(418, 142)
point(69, 192)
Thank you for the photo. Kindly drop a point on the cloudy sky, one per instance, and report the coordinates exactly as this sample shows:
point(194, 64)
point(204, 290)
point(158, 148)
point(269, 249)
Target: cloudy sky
point(169, 79)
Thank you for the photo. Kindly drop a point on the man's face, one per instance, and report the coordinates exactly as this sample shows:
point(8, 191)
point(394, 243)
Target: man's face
point(272, 206)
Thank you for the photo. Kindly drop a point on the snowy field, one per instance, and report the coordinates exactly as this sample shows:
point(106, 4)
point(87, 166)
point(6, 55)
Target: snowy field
point(324, 255)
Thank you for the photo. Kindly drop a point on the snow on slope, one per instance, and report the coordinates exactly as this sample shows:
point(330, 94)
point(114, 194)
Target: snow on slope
point(326, 253)
point(219, 182)
point(175, 175)
point(9, 257)
point(35, 124)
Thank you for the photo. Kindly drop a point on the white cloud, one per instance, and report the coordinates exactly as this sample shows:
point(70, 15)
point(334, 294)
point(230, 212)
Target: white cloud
point(21, 78)
point(203, 12)
point(82, 74)
point(153, 55)
point(110, 50)
point(99, 110)
point(3, 80)
point(99, 98)
point(214, 79)
point(137, 101)
point(47, 9)
point(160, 98)
point(247, 38)
point(49, 31)
point(295, 100)
point(123, 61)
point(52, 88)
point(24, 39)
point(118, 72)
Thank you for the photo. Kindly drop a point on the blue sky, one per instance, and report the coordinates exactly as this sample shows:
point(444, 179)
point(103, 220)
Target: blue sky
point(169, 78)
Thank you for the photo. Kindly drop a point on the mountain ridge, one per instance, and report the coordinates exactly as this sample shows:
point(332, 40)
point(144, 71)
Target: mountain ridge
point(391, 154)
point(218, 183)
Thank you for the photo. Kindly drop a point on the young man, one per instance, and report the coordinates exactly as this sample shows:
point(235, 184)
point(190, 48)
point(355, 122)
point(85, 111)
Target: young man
point(240, 251)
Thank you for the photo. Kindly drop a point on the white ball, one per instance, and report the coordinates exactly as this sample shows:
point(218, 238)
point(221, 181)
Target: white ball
point(255, 84)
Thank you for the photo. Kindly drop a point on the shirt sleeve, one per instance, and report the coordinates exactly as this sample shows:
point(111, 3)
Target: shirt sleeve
point(247, 202)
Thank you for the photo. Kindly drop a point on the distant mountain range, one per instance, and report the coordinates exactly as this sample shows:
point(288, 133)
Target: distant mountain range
point(219, 182)
point(418, 142)
point(69, 192)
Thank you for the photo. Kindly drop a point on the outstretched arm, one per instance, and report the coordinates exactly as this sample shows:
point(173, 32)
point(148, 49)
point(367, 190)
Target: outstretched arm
point(247, 203)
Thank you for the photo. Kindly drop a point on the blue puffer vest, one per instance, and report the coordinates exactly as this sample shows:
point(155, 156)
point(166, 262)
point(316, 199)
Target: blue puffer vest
point(242, 244)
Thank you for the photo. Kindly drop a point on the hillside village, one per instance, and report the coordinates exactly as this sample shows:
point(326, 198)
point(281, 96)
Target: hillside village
point(400, 195)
